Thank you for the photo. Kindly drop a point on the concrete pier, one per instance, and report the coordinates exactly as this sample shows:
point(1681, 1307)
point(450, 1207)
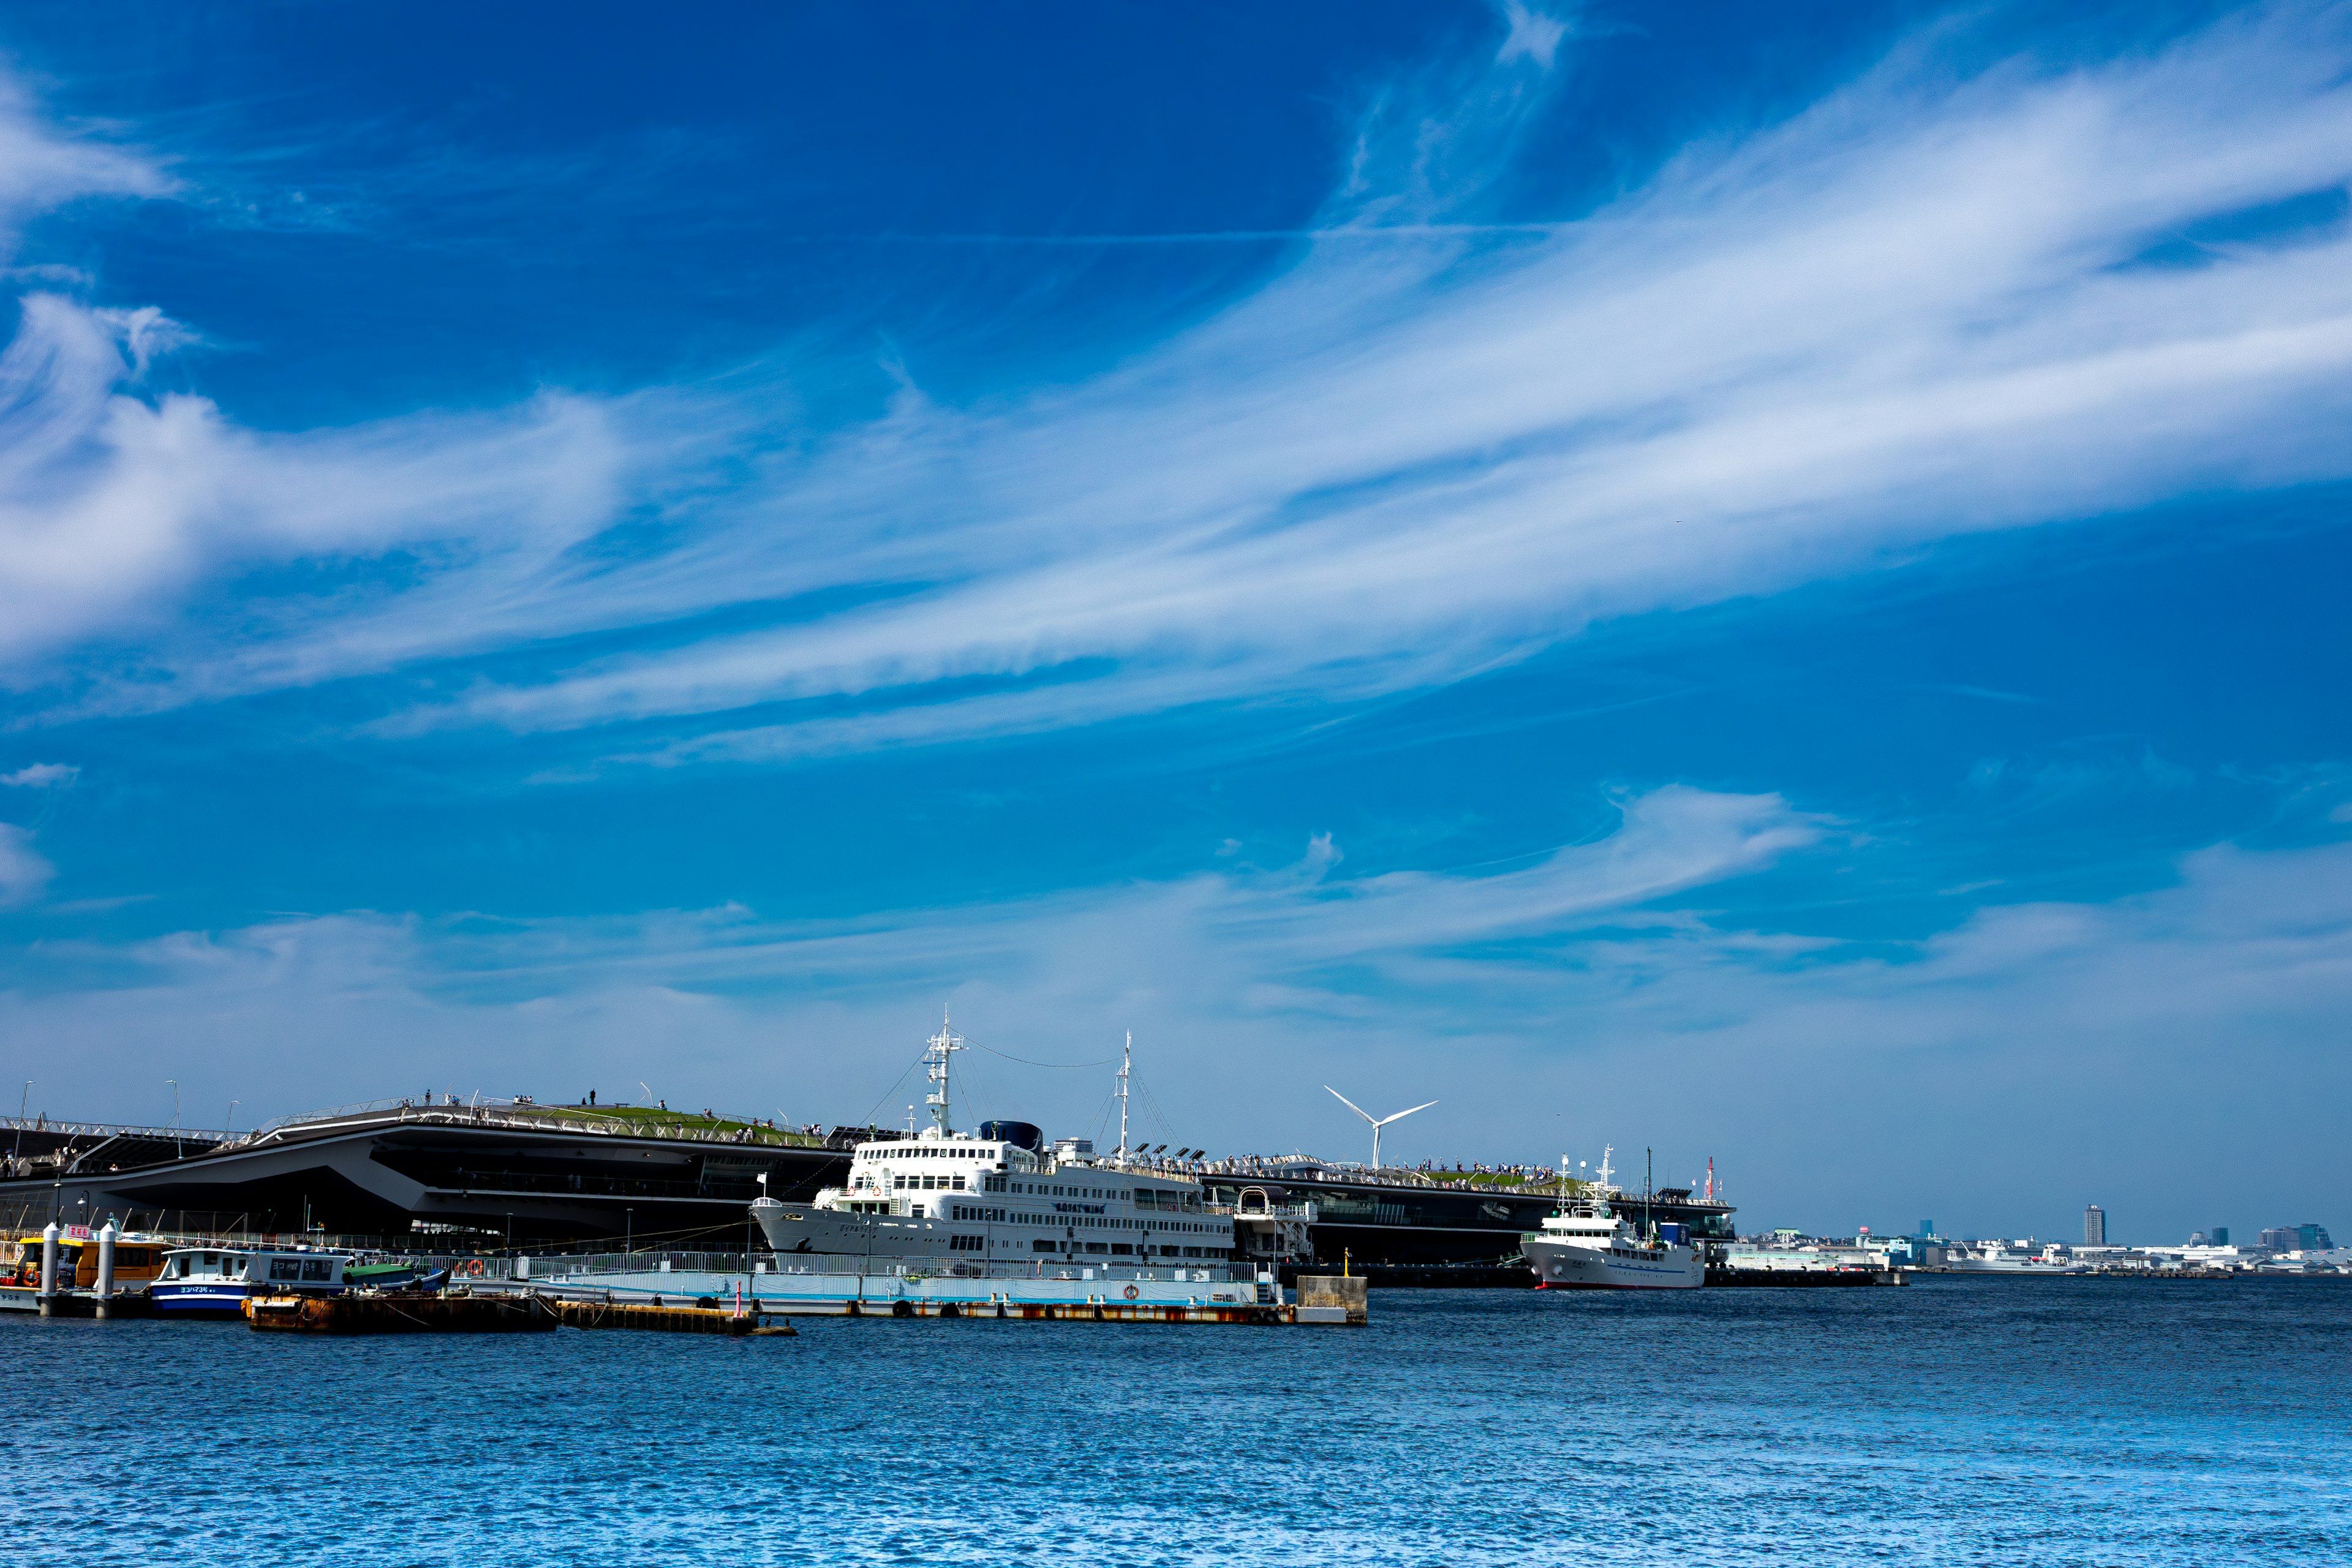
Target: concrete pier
point(1333, 1298)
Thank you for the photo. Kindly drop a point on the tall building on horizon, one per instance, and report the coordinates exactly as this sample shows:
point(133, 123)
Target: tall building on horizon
point(2094, 1225)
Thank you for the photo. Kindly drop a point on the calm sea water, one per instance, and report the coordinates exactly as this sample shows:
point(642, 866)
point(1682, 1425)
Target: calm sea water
point(1954, 1421)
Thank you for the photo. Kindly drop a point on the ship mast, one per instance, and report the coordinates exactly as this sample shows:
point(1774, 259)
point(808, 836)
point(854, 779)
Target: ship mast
point(1125, 1058)
point(936, 1052)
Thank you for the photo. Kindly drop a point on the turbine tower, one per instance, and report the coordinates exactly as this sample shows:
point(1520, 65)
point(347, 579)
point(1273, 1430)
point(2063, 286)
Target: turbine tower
point(1378, 1121)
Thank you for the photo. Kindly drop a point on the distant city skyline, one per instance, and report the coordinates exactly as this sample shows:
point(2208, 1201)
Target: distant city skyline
point(1764, 584)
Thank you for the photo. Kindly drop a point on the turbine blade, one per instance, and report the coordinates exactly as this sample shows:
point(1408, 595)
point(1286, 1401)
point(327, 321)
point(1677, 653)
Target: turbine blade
point(1399, 1116)
point(1348, 1103)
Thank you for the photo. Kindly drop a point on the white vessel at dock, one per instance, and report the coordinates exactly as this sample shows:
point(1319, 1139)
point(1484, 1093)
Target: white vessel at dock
point(1003, 1202)
point(2004, 1258)
point(214, 1281)
point(1586, 1247)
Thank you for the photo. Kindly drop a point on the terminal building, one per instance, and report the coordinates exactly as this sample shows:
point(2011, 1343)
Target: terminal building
point(469, 1172)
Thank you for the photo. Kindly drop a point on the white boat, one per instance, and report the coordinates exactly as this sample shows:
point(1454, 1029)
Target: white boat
point(215, 1281)
point(1999, 1258)
point(1001, 1200)
point(1586, 1247)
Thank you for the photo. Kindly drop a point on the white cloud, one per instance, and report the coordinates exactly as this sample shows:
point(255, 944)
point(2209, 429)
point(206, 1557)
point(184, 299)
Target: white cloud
point(1912, 312)
point(40, 170)
point(23, 872)
point(1918, 309)
point(43, 775)
point(1533, 34)
point(111, 506)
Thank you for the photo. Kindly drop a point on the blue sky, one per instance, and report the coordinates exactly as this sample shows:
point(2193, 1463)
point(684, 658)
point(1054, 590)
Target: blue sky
point(1766, 584)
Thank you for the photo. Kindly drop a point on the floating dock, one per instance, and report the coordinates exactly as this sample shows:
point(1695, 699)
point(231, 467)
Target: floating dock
point(401, 1313)
point(1137, 1296)
point(1785, 1278)
point(577, 1314)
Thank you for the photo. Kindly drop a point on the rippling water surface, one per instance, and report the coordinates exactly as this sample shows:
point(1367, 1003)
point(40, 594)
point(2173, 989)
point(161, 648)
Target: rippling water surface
point(1955, 1421)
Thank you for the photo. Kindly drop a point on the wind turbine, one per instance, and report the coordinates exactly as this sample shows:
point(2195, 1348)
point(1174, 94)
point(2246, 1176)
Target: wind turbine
point(1378, 1121)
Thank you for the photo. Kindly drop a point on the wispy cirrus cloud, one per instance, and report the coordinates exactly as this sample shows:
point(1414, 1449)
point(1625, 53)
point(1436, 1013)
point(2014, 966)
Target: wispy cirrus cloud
point(24, 872)
point(1923, 308)
point(42, 169)
point(1940, 301)
point(1300, 941)
point(113, 508)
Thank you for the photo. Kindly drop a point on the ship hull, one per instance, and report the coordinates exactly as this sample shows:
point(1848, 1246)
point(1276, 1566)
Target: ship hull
point(798, 1231)
point(1561, 1267)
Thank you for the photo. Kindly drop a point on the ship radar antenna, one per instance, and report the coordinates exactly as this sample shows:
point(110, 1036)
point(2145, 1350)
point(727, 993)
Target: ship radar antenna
point(1378, 1121)
point(936, 1052)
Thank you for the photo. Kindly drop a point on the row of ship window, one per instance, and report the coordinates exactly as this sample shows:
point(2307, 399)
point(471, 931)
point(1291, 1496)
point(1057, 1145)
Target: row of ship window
point(1085, 1222)
point(1144, 1198)
point(935, 1152)
point(1111, 1249)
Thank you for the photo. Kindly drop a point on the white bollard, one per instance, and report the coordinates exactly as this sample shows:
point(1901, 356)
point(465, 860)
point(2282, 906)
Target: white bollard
point(106, 1234)
point(49, 1265)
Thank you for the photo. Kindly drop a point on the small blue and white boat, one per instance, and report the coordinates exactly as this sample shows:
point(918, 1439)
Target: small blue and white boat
point(215, 1281)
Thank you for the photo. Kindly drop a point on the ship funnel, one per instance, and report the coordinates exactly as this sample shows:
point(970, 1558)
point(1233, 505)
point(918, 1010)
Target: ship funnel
point(1020, 1135)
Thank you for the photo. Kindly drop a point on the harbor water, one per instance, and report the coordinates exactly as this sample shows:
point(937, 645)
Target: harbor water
point(1960, 1421)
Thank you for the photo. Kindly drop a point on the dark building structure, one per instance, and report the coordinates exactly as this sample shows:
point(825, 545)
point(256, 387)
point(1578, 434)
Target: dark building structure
point(548, 1176)
point(1396, 1219)
point(540, 1174)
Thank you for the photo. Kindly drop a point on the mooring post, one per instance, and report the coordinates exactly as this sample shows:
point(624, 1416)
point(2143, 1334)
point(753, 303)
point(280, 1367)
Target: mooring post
point(105, 1266)
point(48, 1266)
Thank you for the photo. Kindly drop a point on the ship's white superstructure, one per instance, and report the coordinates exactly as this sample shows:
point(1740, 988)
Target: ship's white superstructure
point(995, 1199)
point(1586, 1247)
point(950, 1194)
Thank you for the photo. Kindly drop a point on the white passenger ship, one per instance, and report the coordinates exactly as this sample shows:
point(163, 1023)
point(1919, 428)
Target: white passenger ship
point(1585, 1247)
point(1001, 1199)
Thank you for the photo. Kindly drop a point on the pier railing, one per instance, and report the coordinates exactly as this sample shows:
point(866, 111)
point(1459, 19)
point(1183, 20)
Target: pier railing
point(526, 1116)
point(104, 1130)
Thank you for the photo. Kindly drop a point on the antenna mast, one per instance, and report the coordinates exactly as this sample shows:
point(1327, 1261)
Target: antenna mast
point(936, 1052)
point(1126, 1059)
